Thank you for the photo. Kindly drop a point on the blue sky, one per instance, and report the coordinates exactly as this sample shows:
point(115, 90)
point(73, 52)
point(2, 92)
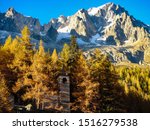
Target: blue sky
point(47, 9)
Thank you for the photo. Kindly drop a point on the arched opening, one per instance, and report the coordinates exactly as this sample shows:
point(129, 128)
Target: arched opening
point(64, 80)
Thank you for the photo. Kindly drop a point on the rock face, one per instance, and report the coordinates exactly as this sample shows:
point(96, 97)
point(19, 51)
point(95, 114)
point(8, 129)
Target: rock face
point(109, 24)
point(108, 27)
point(19, 20)
point(12, 21)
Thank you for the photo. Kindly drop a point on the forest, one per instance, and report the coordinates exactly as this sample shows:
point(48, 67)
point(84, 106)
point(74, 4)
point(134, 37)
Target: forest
point(28, 73)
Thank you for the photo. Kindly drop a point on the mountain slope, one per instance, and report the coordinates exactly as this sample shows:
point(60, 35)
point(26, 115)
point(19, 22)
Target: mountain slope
point(12, 21)
point(108, 27)
point(109, 24)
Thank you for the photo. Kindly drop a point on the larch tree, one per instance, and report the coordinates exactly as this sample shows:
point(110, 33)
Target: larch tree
point(64, 57)
point(26, 35)
point(54, 56)
point(56, 68)
point(8, 43)
point(74, 64)
point(22, 61)
point(6, 59)
point(82, 82)
point(40, 82)
point(111, 94)
point(5, 98)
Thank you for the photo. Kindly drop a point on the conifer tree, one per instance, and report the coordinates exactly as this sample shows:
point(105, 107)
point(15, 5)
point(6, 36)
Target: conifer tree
point(23, 56)
point(111, 94)
point(41, 48)
point(7, 43)
point(40, 82)
point(65, 55)
point(80, 77)
point(74, 49)
point(6, 59)
point(23, 52)
point(5, 99)
point(54, 56)
point(75, 64)
point(15, 46)
point(56, 68)
point(26, 35)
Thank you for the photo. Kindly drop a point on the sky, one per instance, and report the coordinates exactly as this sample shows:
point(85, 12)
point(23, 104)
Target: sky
point(44, 10)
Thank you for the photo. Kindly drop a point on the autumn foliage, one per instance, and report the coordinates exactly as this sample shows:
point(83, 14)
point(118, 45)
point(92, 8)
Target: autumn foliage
point(96, 85)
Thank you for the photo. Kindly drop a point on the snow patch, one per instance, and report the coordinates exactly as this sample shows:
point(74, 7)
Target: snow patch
point(110, 19)
point(2, 37)
point(94, 10)
point(101, 39)
point(64, 30)
point(133, 19)
point(27, 16)
point(99, 28)
point(80, 41)
point(94, 38)
point(126, 41)
point(42, 34)
point(63, 35)
point(109, 25)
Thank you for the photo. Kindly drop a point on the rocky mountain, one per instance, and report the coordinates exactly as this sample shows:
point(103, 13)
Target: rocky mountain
point(109, 24)
point(108, 27)
point(13, 22)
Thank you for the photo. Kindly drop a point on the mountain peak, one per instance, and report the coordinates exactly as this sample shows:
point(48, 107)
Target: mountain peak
point(62, 19)
point(10, 12)
point(95, 10)
point(82, 11)
point(11, 9)
point(107, 7)
point(110, 3)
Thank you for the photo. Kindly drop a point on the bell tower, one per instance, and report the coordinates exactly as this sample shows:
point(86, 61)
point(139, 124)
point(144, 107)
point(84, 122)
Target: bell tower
point(64, 91)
